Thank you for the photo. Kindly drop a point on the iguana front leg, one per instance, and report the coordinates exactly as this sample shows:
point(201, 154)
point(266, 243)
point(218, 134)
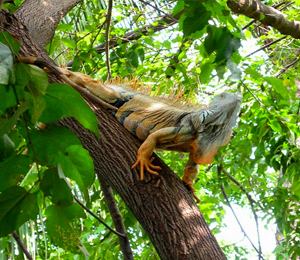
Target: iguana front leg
point(190, 173)
point(146, 149)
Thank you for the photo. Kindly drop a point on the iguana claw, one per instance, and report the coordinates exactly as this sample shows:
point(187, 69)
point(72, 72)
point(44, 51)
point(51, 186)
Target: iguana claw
point(147, 164)
point(189, 175)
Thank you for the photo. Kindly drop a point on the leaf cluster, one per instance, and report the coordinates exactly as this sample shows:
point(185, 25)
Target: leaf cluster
point(40, 168)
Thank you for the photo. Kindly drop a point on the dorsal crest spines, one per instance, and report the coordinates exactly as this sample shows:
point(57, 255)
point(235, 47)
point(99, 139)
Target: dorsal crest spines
point(176, 95)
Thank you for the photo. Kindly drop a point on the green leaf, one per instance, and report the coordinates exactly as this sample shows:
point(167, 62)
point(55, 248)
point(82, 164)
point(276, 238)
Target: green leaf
point(197, 18)
point(60, 229)
point(8, 99)
point(7, 147)
point(275, 126)
point(65, 27)
point(6, 64)
point(83, 162)
point(226, 45)
point(11, 169)
point(16, 207)
point(69, 43)
point(279, 88)
point(209, 42)
point(38, 80)
point(57, 188)
point(206, 69)
point(73, 211)
point(253, 73)
point(64, 149)
point(133, 59)
point(10, 41)
point(37, 107)
point(221, 41)
point(178, 7)
point(6, 124)
point(295, 187)
point(22, 73)
point(141, 54)
point(63, 101)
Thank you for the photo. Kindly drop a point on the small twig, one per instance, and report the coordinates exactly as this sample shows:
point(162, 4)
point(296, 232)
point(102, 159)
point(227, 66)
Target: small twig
point(161, 24)
point(247, 25)
point(21, 245)
point(157, 9)
point(266, 46)
point(108, 21)
point(257, 100)
point(286, 6)
point(234, 180)
point(235, 216)
point(279, 4)
point(294, 62)
point(99, 219)
point(175, 58)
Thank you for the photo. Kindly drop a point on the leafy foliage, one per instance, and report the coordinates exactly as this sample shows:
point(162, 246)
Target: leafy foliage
point(35, 161)
point(258, 170)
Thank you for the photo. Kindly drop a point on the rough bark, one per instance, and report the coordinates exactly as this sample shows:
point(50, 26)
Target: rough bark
point(163, 205)
point(50, 12)
point(266, 15)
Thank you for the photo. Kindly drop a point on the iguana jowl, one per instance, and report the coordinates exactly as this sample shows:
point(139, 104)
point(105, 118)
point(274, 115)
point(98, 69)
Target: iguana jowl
point(166, 125)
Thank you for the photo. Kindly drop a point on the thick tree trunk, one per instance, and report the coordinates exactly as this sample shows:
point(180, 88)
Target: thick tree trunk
point(50, 12)
point(163, 206)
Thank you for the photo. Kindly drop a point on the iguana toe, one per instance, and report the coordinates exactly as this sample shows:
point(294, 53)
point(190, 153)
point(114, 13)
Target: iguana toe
point(146, 163)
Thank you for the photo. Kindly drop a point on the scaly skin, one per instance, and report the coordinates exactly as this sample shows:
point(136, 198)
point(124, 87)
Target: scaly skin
point(161, 123)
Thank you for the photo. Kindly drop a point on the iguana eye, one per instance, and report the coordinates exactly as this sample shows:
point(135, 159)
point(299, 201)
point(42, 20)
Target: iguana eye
point(222, 95)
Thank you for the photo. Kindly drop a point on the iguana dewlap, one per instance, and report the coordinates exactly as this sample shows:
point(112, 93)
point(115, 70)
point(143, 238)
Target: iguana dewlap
point(164, 124)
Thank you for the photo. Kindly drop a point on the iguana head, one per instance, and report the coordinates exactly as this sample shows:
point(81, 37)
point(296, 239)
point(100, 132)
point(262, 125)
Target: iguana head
point(216, 123)
point(226, 107)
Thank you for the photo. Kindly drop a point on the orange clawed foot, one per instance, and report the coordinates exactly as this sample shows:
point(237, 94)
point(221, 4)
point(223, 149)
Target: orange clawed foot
point(146, 163)
point(189, 183)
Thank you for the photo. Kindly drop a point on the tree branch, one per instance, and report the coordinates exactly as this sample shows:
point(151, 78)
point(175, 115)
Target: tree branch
point(163, 23)
point(237, 183)
point(290, 65)
point(21, 245)
point(266, 46)
point(266, 15)
point(117, 219)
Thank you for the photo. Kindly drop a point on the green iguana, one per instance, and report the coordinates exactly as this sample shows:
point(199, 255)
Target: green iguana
point(164, 124)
